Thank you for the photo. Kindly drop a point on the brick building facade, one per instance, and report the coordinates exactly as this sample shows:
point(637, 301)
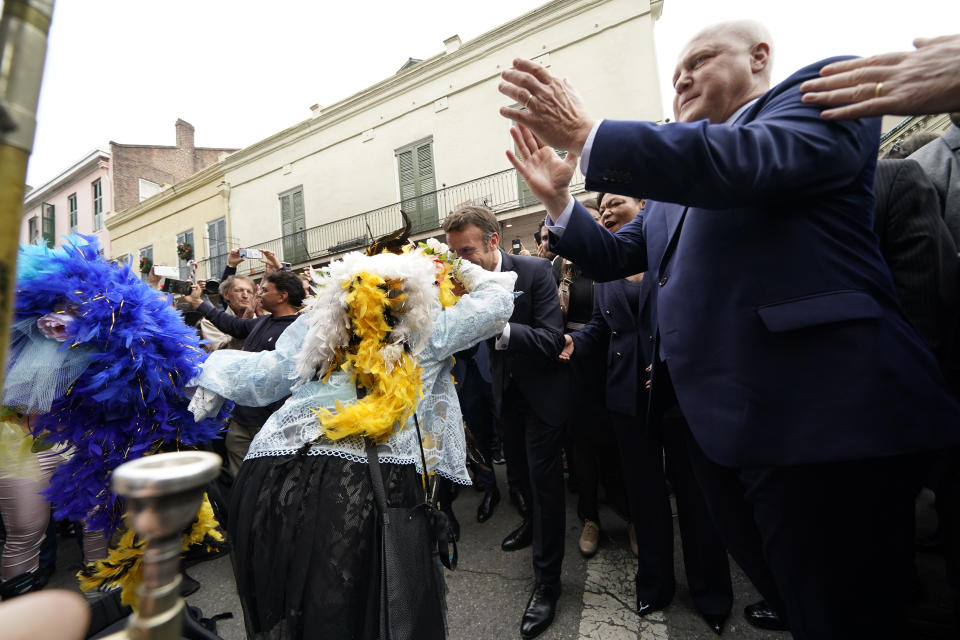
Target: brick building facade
point(82, 197)
point(161, 165)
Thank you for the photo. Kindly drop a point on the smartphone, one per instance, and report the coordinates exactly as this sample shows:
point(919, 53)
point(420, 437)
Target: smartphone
point(252, 254)
point(165, 271)
point(179, 287)
point(515, 247)
point(285, 266)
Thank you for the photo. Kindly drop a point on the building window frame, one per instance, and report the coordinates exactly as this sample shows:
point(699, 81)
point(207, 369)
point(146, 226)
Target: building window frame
point(48, 224)
point(97, 189)
point(72, 207)
point(417, 183)
point(184, 265)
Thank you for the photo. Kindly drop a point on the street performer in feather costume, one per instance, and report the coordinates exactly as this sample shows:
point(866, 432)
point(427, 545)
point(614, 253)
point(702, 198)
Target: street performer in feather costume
point(98, 364)
point(368, 365)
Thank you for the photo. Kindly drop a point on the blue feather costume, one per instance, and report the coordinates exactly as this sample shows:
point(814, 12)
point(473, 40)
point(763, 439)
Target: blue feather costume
point(114, 385)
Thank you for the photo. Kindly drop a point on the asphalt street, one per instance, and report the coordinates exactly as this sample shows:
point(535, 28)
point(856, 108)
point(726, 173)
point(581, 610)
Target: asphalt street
point(488, 591)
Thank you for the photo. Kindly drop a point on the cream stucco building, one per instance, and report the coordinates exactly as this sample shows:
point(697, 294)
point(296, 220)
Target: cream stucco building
point(426, 140)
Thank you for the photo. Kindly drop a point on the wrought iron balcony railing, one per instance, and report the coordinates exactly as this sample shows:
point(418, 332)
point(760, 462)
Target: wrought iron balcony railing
point(500, 192)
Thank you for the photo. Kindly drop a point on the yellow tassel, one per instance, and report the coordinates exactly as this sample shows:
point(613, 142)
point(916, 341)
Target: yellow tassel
point(123, 565)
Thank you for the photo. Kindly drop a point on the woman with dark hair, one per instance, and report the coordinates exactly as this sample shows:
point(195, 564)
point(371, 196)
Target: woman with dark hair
point(619, 331)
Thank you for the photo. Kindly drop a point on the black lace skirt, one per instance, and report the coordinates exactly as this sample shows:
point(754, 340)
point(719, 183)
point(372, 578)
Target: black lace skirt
point(304, 545)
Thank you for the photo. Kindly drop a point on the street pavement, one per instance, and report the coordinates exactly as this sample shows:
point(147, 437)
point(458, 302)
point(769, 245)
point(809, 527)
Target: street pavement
point(489, 589)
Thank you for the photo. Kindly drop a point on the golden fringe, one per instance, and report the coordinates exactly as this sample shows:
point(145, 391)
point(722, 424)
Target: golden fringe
point(123, 565)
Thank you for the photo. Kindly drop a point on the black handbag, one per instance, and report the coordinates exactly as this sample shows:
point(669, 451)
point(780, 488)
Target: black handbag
point(411, 591)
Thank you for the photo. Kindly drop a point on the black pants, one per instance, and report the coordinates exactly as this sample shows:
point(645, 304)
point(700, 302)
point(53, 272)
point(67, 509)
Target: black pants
point(532, 450)
point(830, 544)
point(643, 450)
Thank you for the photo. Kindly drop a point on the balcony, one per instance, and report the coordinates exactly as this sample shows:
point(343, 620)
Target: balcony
point(500, 192)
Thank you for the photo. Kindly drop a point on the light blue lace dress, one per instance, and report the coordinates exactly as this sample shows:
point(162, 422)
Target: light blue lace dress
point(257, 379)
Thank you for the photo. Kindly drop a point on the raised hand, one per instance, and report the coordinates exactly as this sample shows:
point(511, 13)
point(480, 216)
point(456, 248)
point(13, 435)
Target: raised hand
point(554, 110)
point(546, 174)
point(903, 83)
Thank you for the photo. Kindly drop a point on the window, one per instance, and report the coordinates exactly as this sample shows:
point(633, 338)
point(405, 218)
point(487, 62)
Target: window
point(418, 187)
point(97, 206)
point(217, 247)
point(148, 188)
point(183, 239)
point(293, 226)
point(146, 252)
point(48, 224)
point(72, 206)
point(33, 230)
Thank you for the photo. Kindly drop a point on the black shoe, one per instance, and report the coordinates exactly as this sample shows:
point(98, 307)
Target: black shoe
point(646, 608)
point(498, 458)
point(520, 537)
point(18, 585)
point(487, 505)
point(541, 607)
point(520, 501)
point(763, 616)
point(715, 623)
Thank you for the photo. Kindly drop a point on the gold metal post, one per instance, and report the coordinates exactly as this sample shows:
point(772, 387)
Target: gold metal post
point(24, 26)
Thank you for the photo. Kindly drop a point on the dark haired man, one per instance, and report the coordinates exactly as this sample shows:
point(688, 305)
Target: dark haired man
point(281, 294)
point(523, 365)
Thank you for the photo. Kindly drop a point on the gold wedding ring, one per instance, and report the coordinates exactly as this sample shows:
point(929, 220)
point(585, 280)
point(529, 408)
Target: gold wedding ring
point(527, 101)
point(876, 94)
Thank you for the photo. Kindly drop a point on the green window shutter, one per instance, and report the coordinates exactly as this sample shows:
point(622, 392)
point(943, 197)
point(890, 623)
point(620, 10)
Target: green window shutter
point(293, 222)
point(48, 224)
point(418, 185)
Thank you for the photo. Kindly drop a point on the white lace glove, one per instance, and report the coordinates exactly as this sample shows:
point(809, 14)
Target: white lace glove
point(204, 403)
point(471, 276)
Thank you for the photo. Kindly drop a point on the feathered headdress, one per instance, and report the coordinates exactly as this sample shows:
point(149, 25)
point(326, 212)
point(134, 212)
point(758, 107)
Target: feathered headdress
point(102, 359)
point(372, 317)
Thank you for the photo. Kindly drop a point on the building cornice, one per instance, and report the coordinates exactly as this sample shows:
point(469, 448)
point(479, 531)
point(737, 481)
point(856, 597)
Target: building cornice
point(82, 167)
point(427, 71)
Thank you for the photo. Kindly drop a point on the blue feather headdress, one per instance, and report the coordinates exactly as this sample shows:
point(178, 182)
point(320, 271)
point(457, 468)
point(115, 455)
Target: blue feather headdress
point(112, 390)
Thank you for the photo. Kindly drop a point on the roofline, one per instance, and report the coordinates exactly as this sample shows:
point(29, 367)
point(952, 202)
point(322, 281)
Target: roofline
point(81, 166)
point(543, 16)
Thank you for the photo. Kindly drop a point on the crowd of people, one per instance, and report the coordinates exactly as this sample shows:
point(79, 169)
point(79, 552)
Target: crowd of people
point(753, 313)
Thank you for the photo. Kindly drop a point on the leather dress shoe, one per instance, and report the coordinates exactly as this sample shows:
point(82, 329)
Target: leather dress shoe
point(715, 623)
point(763, 616)
point(646, 608)
point(487, 505)
point(541, 608)
point(519, 538)
point(523, 505)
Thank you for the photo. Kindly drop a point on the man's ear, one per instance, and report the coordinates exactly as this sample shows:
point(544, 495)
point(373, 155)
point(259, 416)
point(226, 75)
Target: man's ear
point(759, 57)
point(495, 241)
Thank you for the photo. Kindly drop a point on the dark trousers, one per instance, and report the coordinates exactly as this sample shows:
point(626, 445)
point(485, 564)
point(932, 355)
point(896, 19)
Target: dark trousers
point(836, 536)
point(532, 450)
point(643, 450)
point(476, 404)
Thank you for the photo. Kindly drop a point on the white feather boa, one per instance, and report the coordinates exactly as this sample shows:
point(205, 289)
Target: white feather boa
point(330, 323)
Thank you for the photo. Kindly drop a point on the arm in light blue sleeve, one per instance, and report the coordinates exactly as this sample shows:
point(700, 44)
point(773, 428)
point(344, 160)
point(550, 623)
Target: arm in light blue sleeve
point(479, 315)
point(255, 379)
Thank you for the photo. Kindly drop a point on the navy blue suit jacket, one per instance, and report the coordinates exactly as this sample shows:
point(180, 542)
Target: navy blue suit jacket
point(536, 339)
point(626, 343)
point(774, 310)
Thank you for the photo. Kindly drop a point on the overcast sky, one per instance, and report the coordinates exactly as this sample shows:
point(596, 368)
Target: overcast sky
point(241, 70)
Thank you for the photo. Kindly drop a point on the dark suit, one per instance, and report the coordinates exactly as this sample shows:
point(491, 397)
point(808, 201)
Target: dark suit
point(917, 245)
point(531, 418)
point(622, 333)
point(777, 323)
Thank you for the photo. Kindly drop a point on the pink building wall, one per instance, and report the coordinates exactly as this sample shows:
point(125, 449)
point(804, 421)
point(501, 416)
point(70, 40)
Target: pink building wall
point(77, 180)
